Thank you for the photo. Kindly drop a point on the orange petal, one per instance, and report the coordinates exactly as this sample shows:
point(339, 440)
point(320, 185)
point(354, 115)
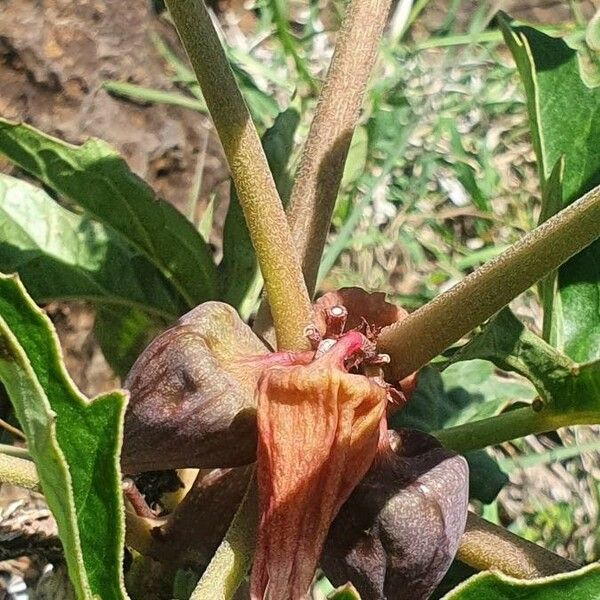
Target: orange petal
point(318, 433)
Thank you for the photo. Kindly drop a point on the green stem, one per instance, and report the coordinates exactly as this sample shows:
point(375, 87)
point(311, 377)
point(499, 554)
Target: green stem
point(509, 426)
point(431, 329)
point(485, 546)
point(19, 472)
point(263, 211)
point(11, 450)
point(231, 561)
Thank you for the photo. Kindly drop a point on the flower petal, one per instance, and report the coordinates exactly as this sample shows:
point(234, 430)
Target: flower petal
point(192, 394)
point(318, 433)
point(399, 531)
point(362, 306)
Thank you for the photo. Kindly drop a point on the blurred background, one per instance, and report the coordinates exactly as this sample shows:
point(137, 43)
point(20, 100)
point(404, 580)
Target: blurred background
point(440, 178)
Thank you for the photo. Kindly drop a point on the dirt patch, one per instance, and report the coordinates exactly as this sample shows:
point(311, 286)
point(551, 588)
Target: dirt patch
point(54, 57)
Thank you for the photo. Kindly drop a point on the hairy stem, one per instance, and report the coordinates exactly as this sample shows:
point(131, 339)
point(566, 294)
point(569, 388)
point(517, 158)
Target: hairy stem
point(428, 331)
point(19, 472)
point(485, 546)
point(263, 211)
point(324, 155)
point(509, 426)
point(231, 561)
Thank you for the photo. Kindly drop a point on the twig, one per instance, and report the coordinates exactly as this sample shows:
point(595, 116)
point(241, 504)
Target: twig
point(17, 433)
point(485, 546)
point(431, 329)
point(267, 224)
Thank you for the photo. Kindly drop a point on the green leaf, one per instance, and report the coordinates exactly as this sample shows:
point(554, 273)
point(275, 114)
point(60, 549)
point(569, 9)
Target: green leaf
point(123, 333)
point(564, 385)
point(74, 442)
point(345, 592)
point(564, 115)
point(99, 180)
point(239, 267)
point(61, 255)
point(507, 343)
point(582, 584)
point(443, 400)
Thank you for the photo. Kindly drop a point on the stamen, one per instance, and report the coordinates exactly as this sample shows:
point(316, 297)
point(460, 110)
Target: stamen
point(311, 333)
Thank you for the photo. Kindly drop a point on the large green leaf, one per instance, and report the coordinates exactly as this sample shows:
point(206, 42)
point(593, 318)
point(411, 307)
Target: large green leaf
point(98, 179)
point(239, 267)
point(123, 333)
point(61, 255)
point(578, 585)
point(564, 115)
point(74, 442)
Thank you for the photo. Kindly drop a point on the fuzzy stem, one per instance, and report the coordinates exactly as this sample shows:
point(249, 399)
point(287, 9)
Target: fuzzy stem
point(485, 546)
point(324, 155)
point(263, 211)
point(231, 562)
point(19, 472)
point(431, 329)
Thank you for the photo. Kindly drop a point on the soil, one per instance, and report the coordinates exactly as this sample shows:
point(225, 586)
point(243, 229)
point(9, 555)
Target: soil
point(54, 57)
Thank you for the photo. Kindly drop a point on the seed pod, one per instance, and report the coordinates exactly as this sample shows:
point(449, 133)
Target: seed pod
point(398, 532)
point(192, 398)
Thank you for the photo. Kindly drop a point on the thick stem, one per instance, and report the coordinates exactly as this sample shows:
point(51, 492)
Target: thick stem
point(485, 546)
point(324, 155)
point(413, 342)
point(19, 472)
point(267, 224)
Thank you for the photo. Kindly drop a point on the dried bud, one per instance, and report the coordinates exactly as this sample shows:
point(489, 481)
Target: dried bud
point(399, 531)
point(192, 395)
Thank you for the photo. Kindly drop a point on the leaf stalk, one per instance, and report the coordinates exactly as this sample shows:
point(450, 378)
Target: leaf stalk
point(263, 211)
point(431, 329)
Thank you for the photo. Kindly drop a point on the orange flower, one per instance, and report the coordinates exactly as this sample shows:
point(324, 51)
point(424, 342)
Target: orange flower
point(318, 433)
point(203, 388)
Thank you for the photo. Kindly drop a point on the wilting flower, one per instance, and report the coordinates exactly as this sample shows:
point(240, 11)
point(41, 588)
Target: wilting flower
point(207, 393)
